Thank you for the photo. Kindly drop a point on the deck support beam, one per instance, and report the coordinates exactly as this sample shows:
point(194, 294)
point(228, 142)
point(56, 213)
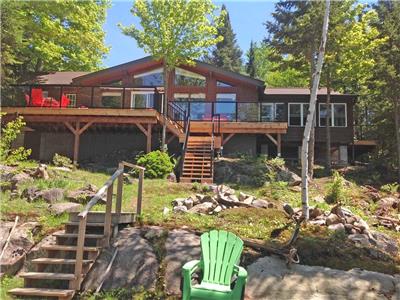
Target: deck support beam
point(277, 142)
point(225, 140)
point(171, 138)
point(77, 131)
point(147, 133)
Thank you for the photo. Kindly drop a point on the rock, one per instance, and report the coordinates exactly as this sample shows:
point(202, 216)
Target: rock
point(85, 194)
point(319, 199)
point(19, 179)
point(178, 201)
point(41, 172)
point(202, 208)
point(199, 198)
point(249, 200)
point(386, 204)
point(288, 176)
point(233, 198)
point(217, 209)
point(31, 193)
point(384, 243)
point(243, 196)
point(188, 203)
point(359, 239)
point(21, 242)
point(316, 212)
point(332, 219)
point(60, 208)
point(351, 220)
point(180, 209)
point(53, 195)
point(63, 169)
point(269, 278)
point(319, 222)
point(225, 190)
point(171, 177)
point(349, 229)
point(337, 210)
point(165, 211)
point(135, 265)
point(295, 188)
point(260, 203)
point(336, 227)
point(181, 246)
point(288, 209)
point(361, 224)
point(6, 173)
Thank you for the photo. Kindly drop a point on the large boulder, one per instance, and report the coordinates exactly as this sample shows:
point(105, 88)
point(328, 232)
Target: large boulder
point(181, 246)
point(19, 179)
point(84, 194)
point(41, 172)
point(270, 278)
point(67, 207)
point(202, 208)
point(135, 265)
point(284, 174)
point(31, 193)
point(53, 195)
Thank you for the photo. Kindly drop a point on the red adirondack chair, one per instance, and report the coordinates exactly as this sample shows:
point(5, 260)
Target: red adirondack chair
point(37, 97)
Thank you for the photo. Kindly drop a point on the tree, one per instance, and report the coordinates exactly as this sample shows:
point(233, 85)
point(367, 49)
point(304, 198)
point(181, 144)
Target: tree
point(250, 64)
point(311, 113)
point(177, 32)
point(42, 36)
point(386, 101)
point(227, 54)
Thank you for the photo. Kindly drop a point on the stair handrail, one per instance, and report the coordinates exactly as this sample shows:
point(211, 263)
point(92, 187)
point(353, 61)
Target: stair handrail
point(82, 216)
point(184, 147)
point(213, 133)
point(173, 110)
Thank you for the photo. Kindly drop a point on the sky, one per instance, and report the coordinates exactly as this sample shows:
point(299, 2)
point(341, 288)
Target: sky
point(247, 18)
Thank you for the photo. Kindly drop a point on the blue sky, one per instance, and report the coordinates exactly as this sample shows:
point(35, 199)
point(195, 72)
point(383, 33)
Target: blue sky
point(247, 18)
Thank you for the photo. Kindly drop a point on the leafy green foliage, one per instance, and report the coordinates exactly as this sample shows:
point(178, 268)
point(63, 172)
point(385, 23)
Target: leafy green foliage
point(7, 283)
point(175, 31)
point(51, 35)
point(226, 53)
point(61, 161)
point(336, 192)
point(390, 188)
point(9, 134)
point(157, 163)
point(251, 57)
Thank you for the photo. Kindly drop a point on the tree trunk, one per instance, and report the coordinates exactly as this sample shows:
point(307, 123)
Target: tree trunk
point(397, 127)
point(310, 116)
point(165, 108)
point(311, 151)
point(328, 126)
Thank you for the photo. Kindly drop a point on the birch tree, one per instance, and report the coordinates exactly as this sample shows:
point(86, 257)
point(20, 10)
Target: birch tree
point(311, 113)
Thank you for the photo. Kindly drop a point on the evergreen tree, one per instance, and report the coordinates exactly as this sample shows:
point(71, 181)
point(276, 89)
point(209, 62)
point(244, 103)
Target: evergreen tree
point(227, 53)
point(251, 58)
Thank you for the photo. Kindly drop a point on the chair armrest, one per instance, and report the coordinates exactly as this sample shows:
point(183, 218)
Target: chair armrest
point(240, 271)
point(190, 266)
point(238, 290)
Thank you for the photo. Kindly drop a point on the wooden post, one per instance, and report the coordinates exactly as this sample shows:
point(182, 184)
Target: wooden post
point(140, 193)
point(108, 216)
point(120, 185)
point(279, 146)
point(148, 145)
point(77, 131)
point(79, 253)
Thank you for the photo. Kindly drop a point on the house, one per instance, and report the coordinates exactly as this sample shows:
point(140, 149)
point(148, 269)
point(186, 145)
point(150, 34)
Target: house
point(89, 115)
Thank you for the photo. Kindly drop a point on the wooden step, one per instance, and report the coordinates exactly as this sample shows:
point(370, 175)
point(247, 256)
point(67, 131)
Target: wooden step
point(75, 235)
point(68, 248)
point(42, 292)
point(58, 261)
point(91, 224)
point(50, 276)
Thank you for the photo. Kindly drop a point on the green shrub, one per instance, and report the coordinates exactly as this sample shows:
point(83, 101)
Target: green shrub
point(157, 163)
point(61, 161)
point(9, 134)
point(390, 188)
point(276, 162)
point(336, 190)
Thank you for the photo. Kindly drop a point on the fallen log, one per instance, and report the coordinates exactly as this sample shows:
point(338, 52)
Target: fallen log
point(9, 237)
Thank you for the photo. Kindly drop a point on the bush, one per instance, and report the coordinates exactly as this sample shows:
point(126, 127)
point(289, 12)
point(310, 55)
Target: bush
point(61, 161)
point(157, 163)
point(8, 135)
point(336, 191)
point(390, 188)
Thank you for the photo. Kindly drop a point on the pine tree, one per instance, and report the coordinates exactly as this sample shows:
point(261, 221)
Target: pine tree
point(227, 53)
point(251, 57)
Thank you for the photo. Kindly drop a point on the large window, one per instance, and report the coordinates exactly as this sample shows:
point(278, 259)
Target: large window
point(111, 99)
point(226, 106)
point(298, 114)
point(141, 99)
point(151, 78)
point(272, 112)
point(338, 115)
point(187, 78)
point(199, 109)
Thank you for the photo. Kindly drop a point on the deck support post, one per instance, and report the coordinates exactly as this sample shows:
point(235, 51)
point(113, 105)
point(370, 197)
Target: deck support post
point(225, 140)
point(277, 142)
point(77, 131)
point(147, 133)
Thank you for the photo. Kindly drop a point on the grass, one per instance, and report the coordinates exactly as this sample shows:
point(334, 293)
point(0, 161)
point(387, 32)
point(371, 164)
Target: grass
point(7, 283)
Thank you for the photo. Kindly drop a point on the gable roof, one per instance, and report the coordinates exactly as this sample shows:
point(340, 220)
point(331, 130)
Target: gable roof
point(148, 59)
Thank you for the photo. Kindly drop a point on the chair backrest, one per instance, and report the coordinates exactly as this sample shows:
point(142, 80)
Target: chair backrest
point(221, 250)
point(64, 101)
point(37, 97)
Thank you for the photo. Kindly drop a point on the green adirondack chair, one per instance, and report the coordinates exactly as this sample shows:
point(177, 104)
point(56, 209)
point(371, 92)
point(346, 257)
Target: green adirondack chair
point(220, 253)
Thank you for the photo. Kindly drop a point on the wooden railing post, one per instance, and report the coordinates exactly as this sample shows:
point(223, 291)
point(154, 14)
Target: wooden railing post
point(79, 252)
point(108, 216)
point(120, 185)
point(140, 193)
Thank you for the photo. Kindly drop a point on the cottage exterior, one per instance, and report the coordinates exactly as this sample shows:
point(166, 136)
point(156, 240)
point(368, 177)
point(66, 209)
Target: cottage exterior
point(89, 115)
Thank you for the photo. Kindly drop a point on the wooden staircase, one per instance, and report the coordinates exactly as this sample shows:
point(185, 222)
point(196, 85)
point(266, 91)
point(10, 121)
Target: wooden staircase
point(54, 274)
point(198, 160)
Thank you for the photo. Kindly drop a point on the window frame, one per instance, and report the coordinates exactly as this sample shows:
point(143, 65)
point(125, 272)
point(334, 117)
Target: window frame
point(190, 74)
point(301, 113)
point(111, 94)
point(231, 94)
point(333, 114)
point(148, 99)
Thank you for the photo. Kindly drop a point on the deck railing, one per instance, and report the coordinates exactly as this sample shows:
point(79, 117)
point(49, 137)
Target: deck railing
point(82, 217)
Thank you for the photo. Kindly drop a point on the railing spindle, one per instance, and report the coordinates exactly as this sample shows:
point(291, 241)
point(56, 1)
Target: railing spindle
point(79, 252)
